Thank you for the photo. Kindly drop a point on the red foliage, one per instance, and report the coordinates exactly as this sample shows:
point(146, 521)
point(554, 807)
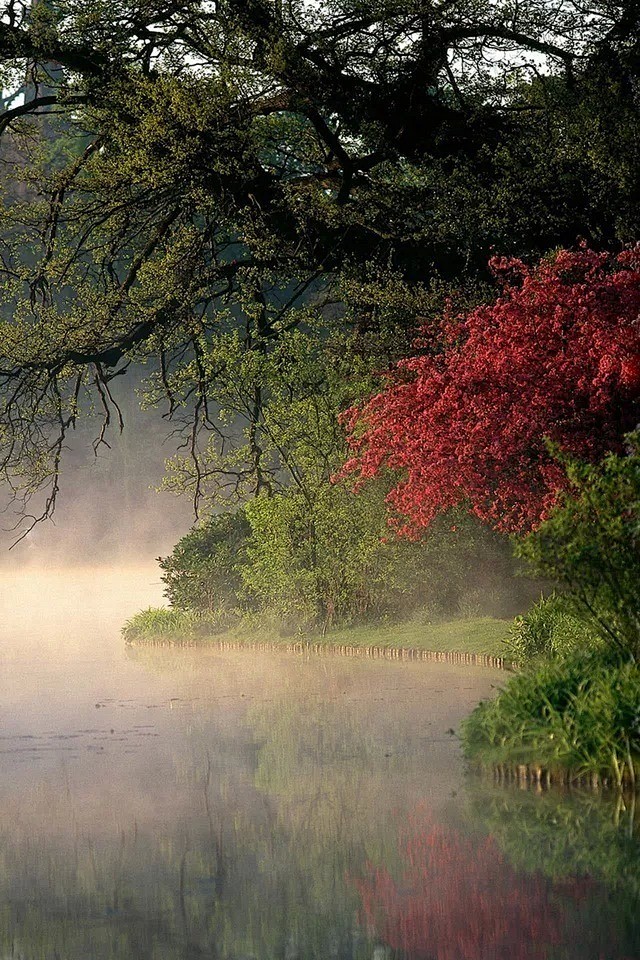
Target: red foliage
point(459, 900)
point(557, 356)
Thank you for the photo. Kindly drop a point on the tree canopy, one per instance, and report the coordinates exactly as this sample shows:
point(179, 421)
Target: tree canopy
point(191, 182)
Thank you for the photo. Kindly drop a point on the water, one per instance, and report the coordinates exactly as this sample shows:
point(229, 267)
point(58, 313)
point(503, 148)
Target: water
point(169, 805)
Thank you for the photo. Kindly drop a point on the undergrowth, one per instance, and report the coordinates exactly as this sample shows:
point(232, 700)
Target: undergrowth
point(551, 628)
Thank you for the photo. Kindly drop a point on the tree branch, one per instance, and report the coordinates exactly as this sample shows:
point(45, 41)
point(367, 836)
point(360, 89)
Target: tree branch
point(30, 106)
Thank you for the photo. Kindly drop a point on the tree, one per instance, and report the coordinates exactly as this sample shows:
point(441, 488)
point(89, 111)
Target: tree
point(214, 167)
point(202, 572)
point(590, 543)
point(556, 357)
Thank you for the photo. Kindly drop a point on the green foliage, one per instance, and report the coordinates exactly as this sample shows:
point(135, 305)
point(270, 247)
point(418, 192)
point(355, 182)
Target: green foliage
point(280, 401)
point(317, 556)
point(580, 714)
point(550, 628)
point(330, 559)
point(576, 707)
point(591, 543)
point(203, 571)
point(279, 572)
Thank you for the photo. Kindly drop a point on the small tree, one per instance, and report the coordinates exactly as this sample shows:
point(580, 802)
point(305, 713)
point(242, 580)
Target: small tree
point(203, 571)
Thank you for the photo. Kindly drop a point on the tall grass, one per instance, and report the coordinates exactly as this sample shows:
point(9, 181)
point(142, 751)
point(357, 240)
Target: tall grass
point(170, 626)
point(551, 628)
point(580, 715)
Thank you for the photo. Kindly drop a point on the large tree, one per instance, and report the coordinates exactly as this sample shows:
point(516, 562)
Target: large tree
point(192, 181)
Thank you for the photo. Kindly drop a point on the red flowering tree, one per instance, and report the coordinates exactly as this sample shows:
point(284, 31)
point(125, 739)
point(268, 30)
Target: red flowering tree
point(556, 357)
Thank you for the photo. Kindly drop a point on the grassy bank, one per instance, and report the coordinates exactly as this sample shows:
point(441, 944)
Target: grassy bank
point(479, 636)
point(574, 719)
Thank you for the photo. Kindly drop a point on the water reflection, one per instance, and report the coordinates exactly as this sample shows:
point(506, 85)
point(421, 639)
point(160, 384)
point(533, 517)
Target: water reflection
point(533, 889)
point(456, 898)
point(239, 806)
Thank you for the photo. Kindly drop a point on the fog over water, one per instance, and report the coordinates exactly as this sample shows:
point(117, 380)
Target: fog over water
point(178, 804)
point(109, 508)
point(133, 785)
point(232, 804)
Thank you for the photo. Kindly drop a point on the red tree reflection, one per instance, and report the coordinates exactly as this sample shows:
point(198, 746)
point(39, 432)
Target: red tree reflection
point(459, 900)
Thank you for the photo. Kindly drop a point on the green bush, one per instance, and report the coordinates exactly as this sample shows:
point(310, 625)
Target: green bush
point(580, 714)
point(551, 628)
point(203, 572)
point(590, 543)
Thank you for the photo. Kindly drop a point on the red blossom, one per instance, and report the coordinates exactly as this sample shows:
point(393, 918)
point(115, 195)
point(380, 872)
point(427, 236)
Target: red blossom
point(556, 357)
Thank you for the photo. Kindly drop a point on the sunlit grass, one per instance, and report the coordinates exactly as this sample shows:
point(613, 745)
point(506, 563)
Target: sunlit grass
point(483, 635)
point(478, 635)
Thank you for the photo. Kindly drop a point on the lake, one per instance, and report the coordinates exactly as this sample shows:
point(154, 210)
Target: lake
point(169, 804)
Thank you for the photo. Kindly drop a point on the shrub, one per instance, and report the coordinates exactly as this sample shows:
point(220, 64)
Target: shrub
point(579, 714)
point(550, 628)
point(279, 571)
point(591, 543)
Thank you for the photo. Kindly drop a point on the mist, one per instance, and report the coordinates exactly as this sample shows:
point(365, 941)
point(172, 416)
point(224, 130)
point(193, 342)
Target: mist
point(109, 508)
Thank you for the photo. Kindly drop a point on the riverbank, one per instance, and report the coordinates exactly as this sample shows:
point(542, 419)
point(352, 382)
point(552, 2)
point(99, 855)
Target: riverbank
point(559, 721)
point(477, 640)
point(567, 721)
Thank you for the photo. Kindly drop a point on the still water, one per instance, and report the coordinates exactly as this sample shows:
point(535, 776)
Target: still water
point(185, 804)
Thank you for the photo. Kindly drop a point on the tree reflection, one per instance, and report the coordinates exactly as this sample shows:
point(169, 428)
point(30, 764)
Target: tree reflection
point(455, 895)
point(580, 839)
point(457, 899)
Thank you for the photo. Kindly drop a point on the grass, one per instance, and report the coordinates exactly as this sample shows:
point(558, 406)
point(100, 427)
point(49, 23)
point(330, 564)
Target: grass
point(551, 629)
point(479, 635)
point(567, 719)
point(169, 626)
